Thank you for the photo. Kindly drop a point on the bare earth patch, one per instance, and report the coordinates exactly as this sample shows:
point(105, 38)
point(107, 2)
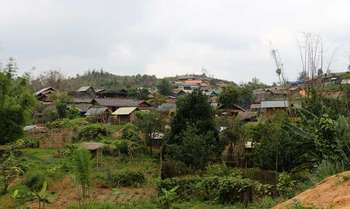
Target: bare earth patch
point(67, 193)
point(333, 192)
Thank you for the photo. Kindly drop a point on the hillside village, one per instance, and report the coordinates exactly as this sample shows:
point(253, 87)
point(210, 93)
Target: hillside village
point(134, 145)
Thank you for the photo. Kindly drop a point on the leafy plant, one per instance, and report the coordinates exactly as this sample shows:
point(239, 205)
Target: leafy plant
point(92, 132)
point(125, 178)
point(286, 185)
point(82, 169)
point(167, 197)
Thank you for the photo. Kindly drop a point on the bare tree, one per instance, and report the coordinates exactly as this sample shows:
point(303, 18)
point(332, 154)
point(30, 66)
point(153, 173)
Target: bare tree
point(312, 55)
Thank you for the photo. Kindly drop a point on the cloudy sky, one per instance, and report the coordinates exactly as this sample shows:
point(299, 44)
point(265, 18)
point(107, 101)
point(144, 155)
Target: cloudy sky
point(229, 38)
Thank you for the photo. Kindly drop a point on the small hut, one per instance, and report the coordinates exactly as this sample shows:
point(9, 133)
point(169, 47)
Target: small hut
point(95, 148)
point(124, 114)
point(100, 114)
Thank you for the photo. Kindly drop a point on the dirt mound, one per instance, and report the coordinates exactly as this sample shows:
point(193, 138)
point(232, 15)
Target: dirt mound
point(333, 192)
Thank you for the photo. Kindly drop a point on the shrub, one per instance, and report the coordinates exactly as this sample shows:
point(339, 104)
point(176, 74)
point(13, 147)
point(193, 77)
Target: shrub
point(67, 123)
point(172, 168)
point(325, 169)
point(223, 189)
point(122, 146)
point(27, 142)
point(35, 180)
point(92, 132)
point(186, 186)
point(130, 132)
point(285, 185)
point(125, 178)
point(221, 170)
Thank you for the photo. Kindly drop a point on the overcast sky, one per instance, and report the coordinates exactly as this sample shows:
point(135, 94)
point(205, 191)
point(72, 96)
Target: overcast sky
point(229, 38)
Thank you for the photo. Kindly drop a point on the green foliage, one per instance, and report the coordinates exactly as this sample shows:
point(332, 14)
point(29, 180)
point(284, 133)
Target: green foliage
point(196, 150)
point(9, 170)
point(130, 132)
point(125, 178)
point(92, 132)
point(149, 123)
point(229, 96)
point(16, 104)
point(325, 169)
point(67, 123)
point(221, 170)
point(226, 189)
point(286, 185)
point(193, 138)
point(167, 198)
point(192, 110)
point(27, 142)
point(172, 168)
point(82, 169)
point(139, 93)
point(164, 87)
point(34, 180)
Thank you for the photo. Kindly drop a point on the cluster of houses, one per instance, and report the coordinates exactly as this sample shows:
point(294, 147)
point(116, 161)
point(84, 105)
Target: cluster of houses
point(104, 106)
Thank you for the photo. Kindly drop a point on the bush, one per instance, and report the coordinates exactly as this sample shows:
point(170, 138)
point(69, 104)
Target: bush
point(172, 168)
point(35, 180)
point(125, 178)
point(285, 185)
point(67, 123)
point(223, 189)
point(27, 142)
point(221, 170)
point(92, 132)
point(325, 169)
point(130, 132)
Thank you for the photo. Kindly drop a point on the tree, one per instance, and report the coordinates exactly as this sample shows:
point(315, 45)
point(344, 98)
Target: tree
point(62, 101)
point(149, 123)
point(229, 96)
point(82, 169)
point(193, 128)
point(164, 87)
point(196, 149)
point(16, 104)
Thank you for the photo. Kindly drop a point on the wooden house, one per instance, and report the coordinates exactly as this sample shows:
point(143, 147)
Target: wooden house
point(114, 103)
point(44, 95)
point(98, 114)
point(124, 115)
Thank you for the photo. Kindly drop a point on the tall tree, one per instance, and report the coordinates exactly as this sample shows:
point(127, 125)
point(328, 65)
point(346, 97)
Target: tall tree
point(194, 119)
point(149, 123)
point(164, 87)
point(229, 96)
point(16, 103)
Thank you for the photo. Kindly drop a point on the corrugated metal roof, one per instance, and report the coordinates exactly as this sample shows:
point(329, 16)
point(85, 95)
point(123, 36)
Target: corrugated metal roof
point(124, 111)
point(44, 90)
point(92, 145)
point(83, 107)
point(167, 107)
point(95, 111)
point(84, 88)
point(118, 102)
point(83, 100)
point(274, 104)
